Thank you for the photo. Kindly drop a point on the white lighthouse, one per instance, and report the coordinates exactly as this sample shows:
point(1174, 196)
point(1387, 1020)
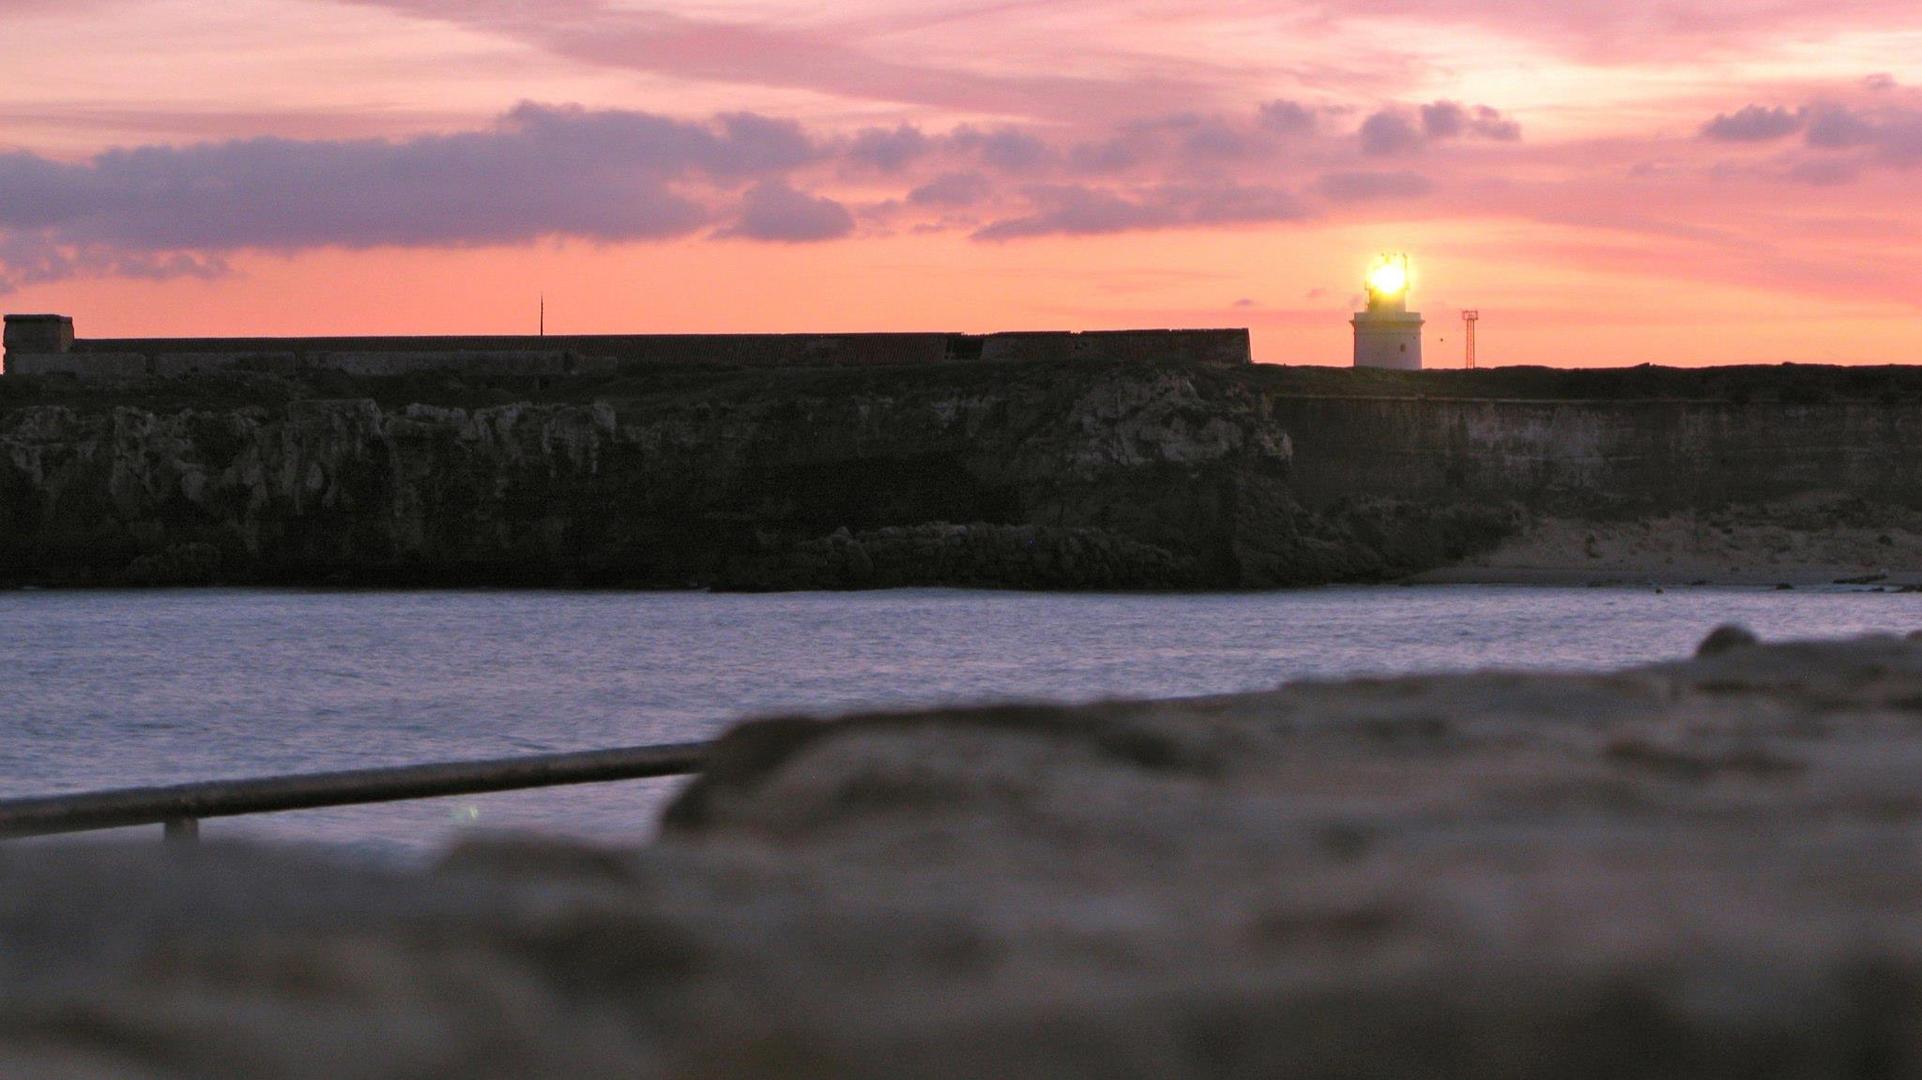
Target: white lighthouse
point(1388, 335)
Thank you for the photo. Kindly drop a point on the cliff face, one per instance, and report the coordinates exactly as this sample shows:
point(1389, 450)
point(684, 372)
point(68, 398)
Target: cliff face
point(1061, 477)
point(1594, 455)
point(1043, 475)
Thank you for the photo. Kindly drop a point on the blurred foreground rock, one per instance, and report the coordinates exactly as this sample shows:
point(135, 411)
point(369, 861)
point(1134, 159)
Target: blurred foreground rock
point(1705, 869)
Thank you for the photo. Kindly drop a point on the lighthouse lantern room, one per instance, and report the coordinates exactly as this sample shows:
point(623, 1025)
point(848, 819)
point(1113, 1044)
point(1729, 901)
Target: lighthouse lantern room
point(1387, 334)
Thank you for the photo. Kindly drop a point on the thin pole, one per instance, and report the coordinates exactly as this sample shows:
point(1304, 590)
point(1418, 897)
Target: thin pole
point(181, 807)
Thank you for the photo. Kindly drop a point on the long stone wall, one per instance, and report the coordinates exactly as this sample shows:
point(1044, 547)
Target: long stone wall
point(132, 358)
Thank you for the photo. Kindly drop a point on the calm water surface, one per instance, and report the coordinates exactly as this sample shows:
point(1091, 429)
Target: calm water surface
point(109, 689)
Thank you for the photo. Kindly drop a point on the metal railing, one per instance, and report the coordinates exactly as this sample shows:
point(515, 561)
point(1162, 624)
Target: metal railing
point(180, 808)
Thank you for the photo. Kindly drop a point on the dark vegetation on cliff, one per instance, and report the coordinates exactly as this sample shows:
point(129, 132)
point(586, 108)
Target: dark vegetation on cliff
point(1037, 475)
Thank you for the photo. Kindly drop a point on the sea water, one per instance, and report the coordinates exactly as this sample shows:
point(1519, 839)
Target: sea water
point(114, 689)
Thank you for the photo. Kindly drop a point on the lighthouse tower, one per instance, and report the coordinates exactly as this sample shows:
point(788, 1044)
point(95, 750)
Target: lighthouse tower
point(1388, 335)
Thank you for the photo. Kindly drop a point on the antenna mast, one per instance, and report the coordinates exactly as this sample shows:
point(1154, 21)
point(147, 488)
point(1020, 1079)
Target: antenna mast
point(544, 317)
point(1469, 319)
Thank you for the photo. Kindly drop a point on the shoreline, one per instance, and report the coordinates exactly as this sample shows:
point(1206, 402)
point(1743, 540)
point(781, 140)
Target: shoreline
point(1799, 577)
point(1569, 576)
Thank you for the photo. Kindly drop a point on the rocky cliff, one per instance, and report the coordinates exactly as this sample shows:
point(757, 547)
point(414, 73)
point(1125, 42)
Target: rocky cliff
point(1038, 475)
point(1063, 476)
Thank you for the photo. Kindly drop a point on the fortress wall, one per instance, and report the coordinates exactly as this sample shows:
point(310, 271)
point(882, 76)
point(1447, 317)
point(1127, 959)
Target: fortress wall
point(1028, 347)
point(169, 365)
point(570, 354)
point(404, 355)
point(1638, 455)
point(37, 334)
point(500, 362)
point(1200, 346)
point(106, 366)
point(1195, 346)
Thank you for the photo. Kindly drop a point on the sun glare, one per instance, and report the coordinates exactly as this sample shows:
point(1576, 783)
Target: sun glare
point(1389, 277)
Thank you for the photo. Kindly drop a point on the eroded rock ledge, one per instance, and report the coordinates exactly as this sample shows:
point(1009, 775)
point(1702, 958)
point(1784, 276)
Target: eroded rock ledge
point(1058, 475)
point(1704, 869)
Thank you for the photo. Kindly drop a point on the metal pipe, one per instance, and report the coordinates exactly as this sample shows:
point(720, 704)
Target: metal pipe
point(185, 804)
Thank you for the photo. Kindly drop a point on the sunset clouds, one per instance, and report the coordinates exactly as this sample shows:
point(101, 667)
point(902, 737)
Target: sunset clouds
point(613, 175)
point(1102, 168)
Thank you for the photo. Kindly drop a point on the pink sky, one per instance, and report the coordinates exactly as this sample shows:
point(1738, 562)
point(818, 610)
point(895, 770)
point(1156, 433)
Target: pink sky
point(1609, 182)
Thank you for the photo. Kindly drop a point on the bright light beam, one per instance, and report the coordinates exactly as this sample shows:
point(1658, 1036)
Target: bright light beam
point(1389, 277)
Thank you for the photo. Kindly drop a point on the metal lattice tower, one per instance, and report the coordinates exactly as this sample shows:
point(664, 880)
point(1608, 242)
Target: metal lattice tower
point(1469, 319)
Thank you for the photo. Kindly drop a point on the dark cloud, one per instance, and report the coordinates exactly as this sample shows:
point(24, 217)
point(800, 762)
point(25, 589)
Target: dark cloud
point(1889, 135)
point(540, 171)
point(1076, 210)
point(1006, 148)
point(1110, 156)
point(1367, 186)
point(888, 150)
point(1900, 141)
point(1879, 82)
point(1755, 123)
point(1193, 136)
point(773, 211)
point(1453, 120)
point(1388, 133)
point(1285, 118)
point(951, 189)
point(1837, 127)
point(1214, 139)
point(157, 211)
point(1489, 123)
point(1443, 120)
point(750, 143)
point(543, 171)
point(1394, 131)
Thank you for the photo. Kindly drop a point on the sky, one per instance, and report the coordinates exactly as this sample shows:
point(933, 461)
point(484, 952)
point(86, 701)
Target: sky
point(1608, 182)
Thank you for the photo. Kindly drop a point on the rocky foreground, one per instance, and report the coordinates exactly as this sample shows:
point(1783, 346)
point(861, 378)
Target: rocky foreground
point(1701, 869)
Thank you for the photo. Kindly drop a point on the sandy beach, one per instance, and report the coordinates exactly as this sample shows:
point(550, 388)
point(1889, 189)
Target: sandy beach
point(1810, 541)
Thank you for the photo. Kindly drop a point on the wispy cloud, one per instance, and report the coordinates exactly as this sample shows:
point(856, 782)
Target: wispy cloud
point(1363, 186)
point(1075, 210)
point(658, 41)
